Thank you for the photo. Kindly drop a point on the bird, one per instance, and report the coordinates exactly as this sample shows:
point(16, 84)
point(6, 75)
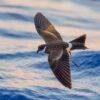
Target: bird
point(58, 50)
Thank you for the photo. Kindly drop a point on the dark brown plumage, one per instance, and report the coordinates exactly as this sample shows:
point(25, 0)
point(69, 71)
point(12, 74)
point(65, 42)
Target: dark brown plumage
point(58, 56)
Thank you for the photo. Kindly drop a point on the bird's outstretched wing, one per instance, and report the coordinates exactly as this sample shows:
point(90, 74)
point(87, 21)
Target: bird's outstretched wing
point(46, 29)
point(61, 69)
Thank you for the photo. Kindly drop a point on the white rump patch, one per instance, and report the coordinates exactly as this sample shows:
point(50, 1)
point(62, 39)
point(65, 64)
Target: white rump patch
point(69, 46)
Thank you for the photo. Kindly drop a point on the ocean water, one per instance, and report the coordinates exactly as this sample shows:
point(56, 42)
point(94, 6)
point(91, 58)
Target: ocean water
point(26, 75)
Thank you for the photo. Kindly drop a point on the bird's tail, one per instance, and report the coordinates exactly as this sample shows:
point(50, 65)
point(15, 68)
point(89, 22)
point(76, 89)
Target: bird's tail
point(79, 43)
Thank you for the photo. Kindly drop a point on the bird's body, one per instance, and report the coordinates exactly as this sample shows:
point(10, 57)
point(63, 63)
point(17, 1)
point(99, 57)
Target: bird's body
point(56, 48)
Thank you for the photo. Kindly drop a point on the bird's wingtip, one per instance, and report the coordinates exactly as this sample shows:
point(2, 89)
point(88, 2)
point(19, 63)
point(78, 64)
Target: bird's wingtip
point(38, 13)
point(69, 87)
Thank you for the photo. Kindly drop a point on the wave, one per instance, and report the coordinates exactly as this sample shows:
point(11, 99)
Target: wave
point(16, 7)
point(20, 55)
point(15, 94)
point(84, 59)
point(38, 92)
point(87, 59)
point(26, 75)
point(46, 93)
point(15, 16)
point(18, 34)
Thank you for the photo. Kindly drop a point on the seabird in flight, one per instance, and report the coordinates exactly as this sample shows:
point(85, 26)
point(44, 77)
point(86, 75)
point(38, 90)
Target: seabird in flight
point(57, 49)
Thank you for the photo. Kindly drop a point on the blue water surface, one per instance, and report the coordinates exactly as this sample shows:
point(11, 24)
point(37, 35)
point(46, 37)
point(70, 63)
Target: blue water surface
point(26, 75)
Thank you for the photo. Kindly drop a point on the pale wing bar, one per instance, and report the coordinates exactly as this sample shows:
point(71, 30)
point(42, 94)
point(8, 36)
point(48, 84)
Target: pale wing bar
point(54, 55)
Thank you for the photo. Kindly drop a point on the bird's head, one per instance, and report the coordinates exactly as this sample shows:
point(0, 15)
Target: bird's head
point(41, 47)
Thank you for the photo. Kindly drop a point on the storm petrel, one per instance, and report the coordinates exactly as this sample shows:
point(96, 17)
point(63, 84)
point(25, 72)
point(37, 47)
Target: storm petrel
point(57, 49)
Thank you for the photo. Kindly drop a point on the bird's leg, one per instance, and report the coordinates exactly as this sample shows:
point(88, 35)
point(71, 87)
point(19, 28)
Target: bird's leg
point(73, 61)
point(75, 64)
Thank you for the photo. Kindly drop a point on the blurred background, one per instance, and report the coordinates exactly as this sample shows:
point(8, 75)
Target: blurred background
point(25, 75)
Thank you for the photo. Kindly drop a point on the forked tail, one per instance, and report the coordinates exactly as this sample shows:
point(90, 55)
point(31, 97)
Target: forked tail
point(79, 43)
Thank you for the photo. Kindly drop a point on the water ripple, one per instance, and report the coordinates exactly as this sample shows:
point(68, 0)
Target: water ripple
point(15, 16)
point(19, 55)
point(26, 75)
point(18, 34)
